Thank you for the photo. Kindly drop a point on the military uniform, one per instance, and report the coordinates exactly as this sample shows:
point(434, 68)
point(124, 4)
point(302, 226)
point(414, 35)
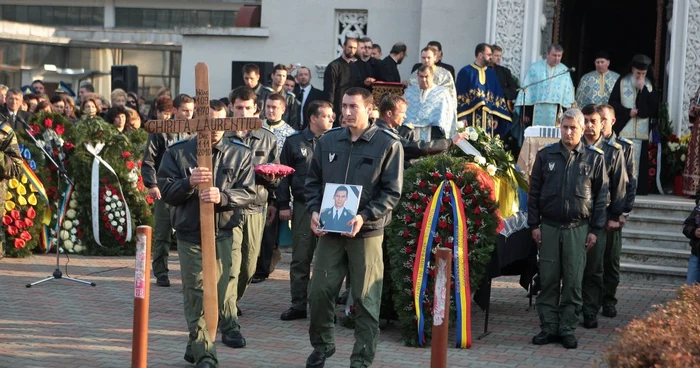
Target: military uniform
point(374, 161)
point(291, 114)
point(611, 258)
point(11, 161)
point(234, 176)
point(163, 232)
point(297, 152)
point(567, 200)
point(617, 185)
point(248, 234)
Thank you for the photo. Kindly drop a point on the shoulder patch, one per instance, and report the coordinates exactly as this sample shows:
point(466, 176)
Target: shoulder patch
point(390, 133)
point(5, 127)
point(409, 126)
point(595, 149)
point(625, 140)
point(268, 129)
point(614, 144)
point(234, 141)
point(290, 93)
point(268, 89)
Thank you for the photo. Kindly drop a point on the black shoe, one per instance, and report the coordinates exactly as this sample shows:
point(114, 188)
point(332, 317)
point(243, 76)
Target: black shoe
point(292, 314)
point(189, 358)
point(569, 342)
point(590, 322)
point(609, 311)
point(163, 281)
point(233, 339)
point(317, 359)
point(205, 364)
point(544, 338)
point(343, 298)
point(257, 280)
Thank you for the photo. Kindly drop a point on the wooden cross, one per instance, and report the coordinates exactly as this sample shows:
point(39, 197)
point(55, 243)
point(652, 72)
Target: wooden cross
point(203, 125)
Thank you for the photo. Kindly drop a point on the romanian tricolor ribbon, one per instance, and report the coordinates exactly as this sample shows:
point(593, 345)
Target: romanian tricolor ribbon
point(34, 180)
point(461, 265)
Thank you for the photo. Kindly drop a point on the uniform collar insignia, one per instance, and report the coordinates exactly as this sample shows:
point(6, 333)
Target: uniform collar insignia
point(303, 151)
point(551, 166)
point(331, 157)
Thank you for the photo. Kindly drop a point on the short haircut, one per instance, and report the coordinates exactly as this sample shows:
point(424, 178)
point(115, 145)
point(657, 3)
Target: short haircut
point(589, 109)
point(118, 93)
point(290, 78)
point(3, 88)
point(315, 107)
point(365, 40)
point(182, 99)
point(495, 47)
point(88, 87)
point(390, 102)
point(42, 105)
point(481, 48)
point(56, 98)
point(85, 101)
point(31, 96)
point(279, 67)
point(607, 107)
point(276, 97)
point(572, 114)
point(251, 68)
point(14, 91)
point(436, 44)
point(242, 93)
point(432, 49)
point(398, 48)
point(364, 93)
point(425, 68)
point(555, 47)
point(164, 104)
point(38, 81)
point(217, 105)
point(116, 110)
point(341, 188)
point(345, 43)
point(376, 46)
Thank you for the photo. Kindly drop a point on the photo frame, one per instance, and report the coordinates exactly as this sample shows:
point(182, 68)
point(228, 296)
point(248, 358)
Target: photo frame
point(339, 206)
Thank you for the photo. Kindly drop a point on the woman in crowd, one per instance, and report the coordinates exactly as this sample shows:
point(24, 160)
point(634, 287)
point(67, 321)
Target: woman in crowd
point(59, 105)
point(44, 106)
point(134, 121)
point(69, 108)
point(31, 100)
point(118, 97)
point(88, 109)
point(119, 117)
point(163, 92)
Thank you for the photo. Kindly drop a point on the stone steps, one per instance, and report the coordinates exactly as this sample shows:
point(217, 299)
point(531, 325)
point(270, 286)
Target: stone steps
point(654, 239)
point(666, 274)
point(670, 223)
point(654, 256)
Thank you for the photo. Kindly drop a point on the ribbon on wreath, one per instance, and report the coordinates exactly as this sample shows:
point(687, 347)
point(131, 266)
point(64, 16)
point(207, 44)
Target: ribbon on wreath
point(61, 214)
point(95, 192)
point(461, 263)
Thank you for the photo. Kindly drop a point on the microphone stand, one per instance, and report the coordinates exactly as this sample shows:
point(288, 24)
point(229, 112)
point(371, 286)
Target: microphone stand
point(57, 274)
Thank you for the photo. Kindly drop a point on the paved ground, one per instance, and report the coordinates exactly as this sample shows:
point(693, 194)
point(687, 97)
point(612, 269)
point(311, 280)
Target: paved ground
point(63, 324)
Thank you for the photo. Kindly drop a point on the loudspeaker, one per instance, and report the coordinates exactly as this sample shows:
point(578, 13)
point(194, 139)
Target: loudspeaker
point(237, 72)
point(125, 77)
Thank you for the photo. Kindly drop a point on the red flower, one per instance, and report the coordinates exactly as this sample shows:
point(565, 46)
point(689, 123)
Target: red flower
point(7, 220)
point(106, 225)
point(442, 224)
point(25, 235)
point(438, 239)
point(406, 234)
point(652, 172)
point(19, 224)
point(410, 208)
point(140, 164)
point(433, 188)
point(149, 199)
point(408, 249)
point(126, 154)
point(422, 184)
point(68, 146)
point(477, 210)
point(31, 213)
point(104, 217)
point(48, 123)
point(426, 199)
point(478, 222)
point(408, 219)
point(446, 199)
point(19, 243)
point(449, 176)
point(130, 165)
point(414, 196)
point(28, 222)
point(12, 230)
point(436, 174)
point(449, 245)
point(104, 180)
point(468, 189)
point(114, 231)
point(473, 239)
point(34, 129)
point(15, 214)
point(140, 186)
point(59, 129)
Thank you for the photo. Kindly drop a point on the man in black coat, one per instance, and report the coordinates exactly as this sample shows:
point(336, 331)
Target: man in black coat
point(439, 63)
point(388, 69)
point(340, 75)
point(306, 94)
point(11, 110)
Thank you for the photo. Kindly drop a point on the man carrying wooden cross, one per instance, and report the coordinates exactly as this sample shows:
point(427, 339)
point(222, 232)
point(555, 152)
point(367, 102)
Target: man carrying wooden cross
point(204, 179)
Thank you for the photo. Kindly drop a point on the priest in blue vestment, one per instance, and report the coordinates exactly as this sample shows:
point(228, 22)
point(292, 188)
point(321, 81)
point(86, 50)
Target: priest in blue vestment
point(595, 87)
point(480, 99)
point(431, 109)
point(550, 91)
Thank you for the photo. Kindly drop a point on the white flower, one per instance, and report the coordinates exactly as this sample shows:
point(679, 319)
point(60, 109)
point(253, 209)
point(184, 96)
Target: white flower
point(491, 169)
point(75, 223)
point(78, 248)
point(65, 235)
point(67, 224)
point(683, 157)
point(119, 204)
point(460, 125)
point(120, 228)
point(108, 193)
point(115, 197)
point(121, 220)
point(74, 230)
point(108, 207)
point(60, 141)
point(133, 176)
point(108, 199)
point(73, 238)
point(73, 203)
point(122, 213)
point(113, 223)
point(110, 216)
point(68, 245)
point(40, 143)
point(473, 136)
point(70, 214)
point(481, 160)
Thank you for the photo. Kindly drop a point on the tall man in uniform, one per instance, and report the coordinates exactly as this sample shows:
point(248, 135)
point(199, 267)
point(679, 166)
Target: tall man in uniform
point(566, 206)
point(152, 156)
point(359, 154)
point(297, 152)
point(592, 286)
point(10, 167)
point(613, 244)
point(231, 188)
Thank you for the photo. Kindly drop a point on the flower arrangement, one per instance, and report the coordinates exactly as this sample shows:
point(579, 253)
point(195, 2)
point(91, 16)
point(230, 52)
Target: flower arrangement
point(674, 152)
point(483, 222)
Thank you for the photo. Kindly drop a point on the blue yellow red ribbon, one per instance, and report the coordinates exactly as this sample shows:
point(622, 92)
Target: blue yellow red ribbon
point(34, 180)
point(461, 263)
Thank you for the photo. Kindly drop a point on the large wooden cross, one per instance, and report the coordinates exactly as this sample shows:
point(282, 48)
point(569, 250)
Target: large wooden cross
point(203, 125)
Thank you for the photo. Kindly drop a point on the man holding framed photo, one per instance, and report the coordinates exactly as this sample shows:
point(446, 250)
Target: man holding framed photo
point(338, 216)
point(360, 154)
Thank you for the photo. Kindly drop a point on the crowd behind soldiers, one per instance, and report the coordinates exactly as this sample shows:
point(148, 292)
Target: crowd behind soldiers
point(580, 188)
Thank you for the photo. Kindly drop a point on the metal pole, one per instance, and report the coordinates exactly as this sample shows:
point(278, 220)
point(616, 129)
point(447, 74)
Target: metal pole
point(441, 305)
point(142, 294)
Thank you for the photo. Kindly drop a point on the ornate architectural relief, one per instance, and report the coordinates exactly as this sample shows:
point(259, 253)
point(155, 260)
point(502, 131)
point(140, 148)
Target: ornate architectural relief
point(692, 59)
point(509, 32)
point(548, 33)
point(350, 23)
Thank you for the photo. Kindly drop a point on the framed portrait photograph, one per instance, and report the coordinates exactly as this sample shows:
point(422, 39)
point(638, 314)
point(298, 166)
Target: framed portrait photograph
point(339, 206)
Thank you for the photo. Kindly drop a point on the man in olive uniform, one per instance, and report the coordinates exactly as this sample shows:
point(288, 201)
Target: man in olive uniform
point(358, 154)
point(566, 206)
point(297, 152)
point(232, 187)
point(11, 161)
point(613, 245)
point(592, 286)
point(152, 156)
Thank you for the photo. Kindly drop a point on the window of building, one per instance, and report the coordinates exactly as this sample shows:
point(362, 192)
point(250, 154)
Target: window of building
point(349, 23)
point(54, 15)
point(172, 18)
